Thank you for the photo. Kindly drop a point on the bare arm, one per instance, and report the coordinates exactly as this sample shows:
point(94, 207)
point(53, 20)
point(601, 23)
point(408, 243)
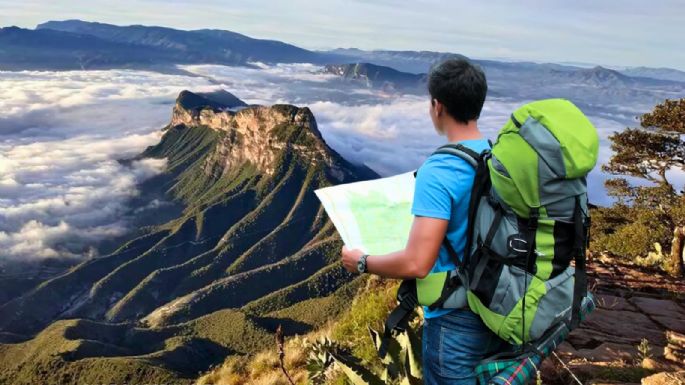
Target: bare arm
point(415, 261)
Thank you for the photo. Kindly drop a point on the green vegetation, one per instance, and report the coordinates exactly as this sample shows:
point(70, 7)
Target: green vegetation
point(250, 250)
point(669, 115)
point(64, 352)
point(648, 206)
point(368, 310)
point(317, 311)
point(644, 351)
point(622, 374)
point(401, 365)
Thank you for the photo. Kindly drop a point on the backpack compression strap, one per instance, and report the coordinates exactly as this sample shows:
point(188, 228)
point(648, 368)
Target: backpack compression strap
point(580, 276)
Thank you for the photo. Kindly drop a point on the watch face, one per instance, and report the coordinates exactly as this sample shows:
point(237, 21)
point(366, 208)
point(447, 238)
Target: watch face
point(361, 264)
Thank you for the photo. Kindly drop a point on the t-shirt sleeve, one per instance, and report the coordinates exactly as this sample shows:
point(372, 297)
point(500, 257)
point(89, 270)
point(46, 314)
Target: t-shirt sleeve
point(431, 197)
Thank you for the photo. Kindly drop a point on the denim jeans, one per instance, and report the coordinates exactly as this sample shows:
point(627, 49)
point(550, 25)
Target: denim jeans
point(453, 344)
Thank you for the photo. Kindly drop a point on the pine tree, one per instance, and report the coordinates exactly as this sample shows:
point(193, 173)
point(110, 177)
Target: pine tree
point(649, 201)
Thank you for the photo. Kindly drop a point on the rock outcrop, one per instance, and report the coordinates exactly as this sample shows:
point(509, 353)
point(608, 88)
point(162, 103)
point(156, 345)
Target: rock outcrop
point(259, 135)
point(635, 332)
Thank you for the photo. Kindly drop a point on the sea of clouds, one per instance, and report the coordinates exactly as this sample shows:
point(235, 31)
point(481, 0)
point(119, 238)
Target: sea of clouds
point(391, 133)
point(61, 133)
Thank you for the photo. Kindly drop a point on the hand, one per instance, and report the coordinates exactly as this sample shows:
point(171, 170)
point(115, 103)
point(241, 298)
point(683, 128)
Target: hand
point(350, 258)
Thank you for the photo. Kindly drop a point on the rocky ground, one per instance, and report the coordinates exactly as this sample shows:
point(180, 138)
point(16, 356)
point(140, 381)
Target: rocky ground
point(635, 336)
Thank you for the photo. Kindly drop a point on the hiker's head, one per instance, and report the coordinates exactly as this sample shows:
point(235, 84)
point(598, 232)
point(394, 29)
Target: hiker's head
point(457, 89)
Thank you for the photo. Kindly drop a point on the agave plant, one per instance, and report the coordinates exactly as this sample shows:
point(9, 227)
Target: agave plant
point(402, 364)
point(320, 360)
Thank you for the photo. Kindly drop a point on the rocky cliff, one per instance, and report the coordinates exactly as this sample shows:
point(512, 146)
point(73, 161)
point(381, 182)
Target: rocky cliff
point(251, 242)
point(258, 135)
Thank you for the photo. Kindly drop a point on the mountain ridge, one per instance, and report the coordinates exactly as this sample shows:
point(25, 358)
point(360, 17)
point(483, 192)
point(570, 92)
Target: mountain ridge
point(202, 45)
point(156, 48)
point(252, 240)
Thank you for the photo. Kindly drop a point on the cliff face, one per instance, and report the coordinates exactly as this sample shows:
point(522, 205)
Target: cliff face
point(258, 135)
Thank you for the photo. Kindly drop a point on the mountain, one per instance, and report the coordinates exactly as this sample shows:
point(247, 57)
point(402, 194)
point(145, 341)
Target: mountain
point(198, 46)
point(597, 76)
point(251, 243)
point(408, 61)
point(75, 44)
point(375, 76)
point(25, 49)
point(220, 99)
point(655, 73)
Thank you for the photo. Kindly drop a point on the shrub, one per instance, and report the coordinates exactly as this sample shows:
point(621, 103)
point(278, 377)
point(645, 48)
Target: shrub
point(370, 308)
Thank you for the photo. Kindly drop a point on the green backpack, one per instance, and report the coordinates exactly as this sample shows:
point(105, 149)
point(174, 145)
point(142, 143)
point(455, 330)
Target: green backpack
point(528, 219)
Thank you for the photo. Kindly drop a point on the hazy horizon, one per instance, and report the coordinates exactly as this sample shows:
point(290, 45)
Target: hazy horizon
point(587, 33)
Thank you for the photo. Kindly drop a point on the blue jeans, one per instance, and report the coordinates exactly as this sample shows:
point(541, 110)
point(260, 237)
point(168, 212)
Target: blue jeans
point(453, 344)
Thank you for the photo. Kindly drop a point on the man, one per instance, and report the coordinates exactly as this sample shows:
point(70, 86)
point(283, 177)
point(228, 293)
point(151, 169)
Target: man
point(454, 341)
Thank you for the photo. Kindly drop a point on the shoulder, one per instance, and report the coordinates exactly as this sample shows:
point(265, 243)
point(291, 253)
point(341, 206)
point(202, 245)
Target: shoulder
point(444, 165)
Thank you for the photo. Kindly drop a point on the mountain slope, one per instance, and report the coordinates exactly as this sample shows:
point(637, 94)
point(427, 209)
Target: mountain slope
point(375, 76)
point(25, 49)
point(251, 228)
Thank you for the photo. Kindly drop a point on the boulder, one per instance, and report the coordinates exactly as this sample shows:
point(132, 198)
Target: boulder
point(665, 378)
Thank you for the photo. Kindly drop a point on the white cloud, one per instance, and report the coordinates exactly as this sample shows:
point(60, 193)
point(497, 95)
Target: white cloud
point(392, 133)
point(62, 190)
point(61, 186)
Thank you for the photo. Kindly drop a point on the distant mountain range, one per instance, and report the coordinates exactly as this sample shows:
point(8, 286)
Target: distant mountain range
point(252, 242)
point(655, 73)
point(76, 44)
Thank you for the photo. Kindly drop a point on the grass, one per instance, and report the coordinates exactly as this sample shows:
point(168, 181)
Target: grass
point(369, 309)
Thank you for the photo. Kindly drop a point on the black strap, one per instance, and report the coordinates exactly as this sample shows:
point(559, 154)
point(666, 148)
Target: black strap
point(481, 185)
point(452, 283)
point(515, 121)
point(533, 217)
point(487, 252)
point(399, 317)
point(451, 251)
point(580, 276)
point(473, 156)
point(494, 226)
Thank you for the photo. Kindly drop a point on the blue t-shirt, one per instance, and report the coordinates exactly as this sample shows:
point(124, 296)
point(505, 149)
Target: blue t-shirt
point(443, 189)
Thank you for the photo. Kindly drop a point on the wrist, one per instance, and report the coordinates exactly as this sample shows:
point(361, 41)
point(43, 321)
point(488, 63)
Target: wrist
point(361, 264)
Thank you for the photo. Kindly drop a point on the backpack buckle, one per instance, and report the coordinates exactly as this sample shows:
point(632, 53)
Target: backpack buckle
point(517, 245)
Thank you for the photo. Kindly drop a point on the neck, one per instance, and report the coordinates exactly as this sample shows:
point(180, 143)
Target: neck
point(457, 131)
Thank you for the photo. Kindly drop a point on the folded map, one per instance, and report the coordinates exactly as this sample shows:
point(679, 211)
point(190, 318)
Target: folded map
point(374, 215)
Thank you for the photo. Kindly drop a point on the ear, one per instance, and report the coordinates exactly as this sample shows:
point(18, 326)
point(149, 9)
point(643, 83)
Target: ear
point(438, 108)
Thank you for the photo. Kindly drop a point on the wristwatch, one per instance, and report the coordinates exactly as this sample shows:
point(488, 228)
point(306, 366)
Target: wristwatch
point(361, 265)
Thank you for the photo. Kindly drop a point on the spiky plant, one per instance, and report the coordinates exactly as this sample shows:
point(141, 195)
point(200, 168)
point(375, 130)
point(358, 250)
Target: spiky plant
point(402, 364)
point(320, 360)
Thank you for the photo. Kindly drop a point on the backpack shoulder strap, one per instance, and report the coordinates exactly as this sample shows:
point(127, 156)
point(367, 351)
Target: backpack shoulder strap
point(471, 157)
point(456, 149)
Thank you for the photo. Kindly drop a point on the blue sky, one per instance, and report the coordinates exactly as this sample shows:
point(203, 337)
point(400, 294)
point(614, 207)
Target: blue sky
point(608, 32)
